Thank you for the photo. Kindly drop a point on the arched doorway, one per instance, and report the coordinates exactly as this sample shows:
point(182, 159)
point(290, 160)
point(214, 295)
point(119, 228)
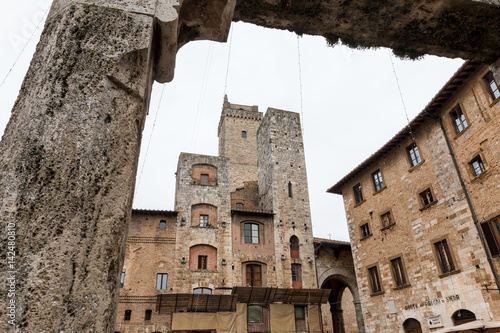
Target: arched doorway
point(463, 316)
point(412, 325)
point(342, 308)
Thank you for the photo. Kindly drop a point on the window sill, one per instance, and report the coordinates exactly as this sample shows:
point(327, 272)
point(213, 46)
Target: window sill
point(456, 271)
point(428, 206)
point(495, 102)
point(359, 203)
point(378, 293)
point(481, 176)
point(402, 287)
point(209, 185)
point(207, 227)
point(377, 192)
point(366, 237)
point(459, 134)
point(416, 166)
point(202, 271)
point(388, 226)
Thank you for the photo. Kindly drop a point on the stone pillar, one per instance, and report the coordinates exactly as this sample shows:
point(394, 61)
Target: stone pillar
point(67, 172)
point(359, 316)
point(338, 320)
point(69, 154)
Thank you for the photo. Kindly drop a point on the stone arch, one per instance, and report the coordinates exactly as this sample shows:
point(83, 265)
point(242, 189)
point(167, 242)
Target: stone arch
point(208, 260)
point(338, 283)
point(204, 209)
point(412, 325)
point(204, 174)
point(463, 316)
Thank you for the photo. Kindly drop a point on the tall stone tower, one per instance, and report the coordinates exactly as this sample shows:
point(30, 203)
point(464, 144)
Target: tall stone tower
point(237, 133)
point(283, 189)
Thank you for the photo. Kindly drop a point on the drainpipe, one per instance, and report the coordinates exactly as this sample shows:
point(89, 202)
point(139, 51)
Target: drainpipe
point(469, 202)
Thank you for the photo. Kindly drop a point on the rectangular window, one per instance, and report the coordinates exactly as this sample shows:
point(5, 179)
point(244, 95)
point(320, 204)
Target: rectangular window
point(365, 230)
point(296, 276)
point(251, 233)
point(444, 257)
point(254, 275)
point(163, 225)
point(426, 197)
point(413, 154)
point(377, 180)
point(147, 315)
point(358, 195)
point(300, 312)
point(204, 179)
point(492, 85)
point(458, 118)
point(128, 315)
point(122, 279)
point(203, 220)
point(386, 219)
point(374, 280)
point(202, 262)
point(290, 193)
point(254, 314)
point(477, 166)
point(491, 231)
point(239, 206)
point(398, 272)
point(161, 281)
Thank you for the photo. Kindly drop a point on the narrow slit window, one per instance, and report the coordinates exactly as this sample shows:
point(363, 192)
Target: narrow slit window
point(358, 194)
point(290, 193)
point(202, 262)
point(444, 257)
point(122, 279)
point(374, 280)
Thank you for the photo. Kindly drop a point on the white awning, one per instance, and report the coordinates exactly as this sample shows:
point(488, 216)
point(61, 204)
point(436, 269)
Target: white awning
point(473, 326)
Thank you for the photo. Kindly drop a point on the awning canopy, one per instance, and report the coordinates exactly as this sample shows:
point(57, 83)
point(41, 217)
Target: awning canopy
point(195, 303)
point(473, 326)
point(269, 295)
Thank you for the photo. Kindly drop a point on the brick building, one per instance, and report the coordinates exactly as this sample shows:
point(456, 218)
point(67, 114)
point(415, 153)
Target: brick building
point(237, 254)
point(423, 213)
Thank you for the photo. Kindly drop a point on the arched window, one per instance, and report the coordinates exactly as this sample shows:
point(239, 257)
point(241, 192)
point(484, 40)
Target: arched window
point(202, 290)
point(204, 174)
point(203, 257)
point(251, 233)
point(412, 326)
point(163, 225)
point(203, 215)
point(294, 247)
point(463, 316)
point(254, 275)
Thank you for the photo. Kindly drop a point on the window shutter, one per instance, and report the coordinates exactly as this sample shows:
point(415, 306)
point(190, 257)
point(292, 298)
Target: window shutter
point(490, 239)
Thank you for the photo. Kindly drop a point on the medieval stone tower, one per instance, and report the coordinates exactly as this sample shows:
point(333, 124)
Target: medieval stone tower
point(242, 231)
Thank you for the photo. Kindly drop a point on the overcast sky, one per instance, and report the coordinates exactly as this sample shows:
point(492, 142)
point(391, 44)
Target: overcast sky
point(350, 101)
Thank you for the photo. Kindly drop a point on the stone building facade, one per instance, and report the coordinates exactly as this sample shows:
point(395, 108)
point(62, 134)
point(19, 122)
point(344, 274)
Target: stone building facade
point(423, 213)
point(237, 254)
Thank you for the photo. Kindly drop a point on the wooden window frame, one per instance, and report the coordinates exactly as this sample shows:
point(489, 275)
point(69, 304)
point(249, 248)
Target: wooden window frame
point(444, 257)
point(204, 220)
point(254, 276)
point(423, 198)
point(491, 232)
point(239, 206)
point(377, 180)
point(398, 271)
point(457, 114)
point(483, 166)
point(488, 78)
point(365, 235)
point(358, 194)
point(161, 281)
point(294, 247)
point(413, 154)
point(296, 275)
point(253, 234)
point(202, 262)
point(391, 221)
point(374, 269)
point(204, 178)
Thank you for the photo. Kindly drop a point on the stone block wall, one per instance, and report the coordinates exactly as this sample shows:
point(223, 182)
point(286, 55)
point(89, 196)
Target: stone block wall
point(283, 190)
point(238, 141)
point(189, 197)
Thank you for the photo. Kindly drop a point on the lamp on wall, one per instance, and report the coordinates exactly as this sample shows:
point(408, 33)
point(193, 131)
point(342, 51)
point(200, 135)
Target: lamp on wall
point(309, 260)
point(293, 224)
point(183, 260)
point(223, 224)
point(282, 257)
point(223, 262)
point(183, 222)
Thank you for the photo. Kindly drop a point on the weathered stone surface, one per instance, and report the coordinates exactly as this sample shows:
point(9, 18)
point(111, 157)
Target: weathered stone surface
point(450, 28)
point(67, 178)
